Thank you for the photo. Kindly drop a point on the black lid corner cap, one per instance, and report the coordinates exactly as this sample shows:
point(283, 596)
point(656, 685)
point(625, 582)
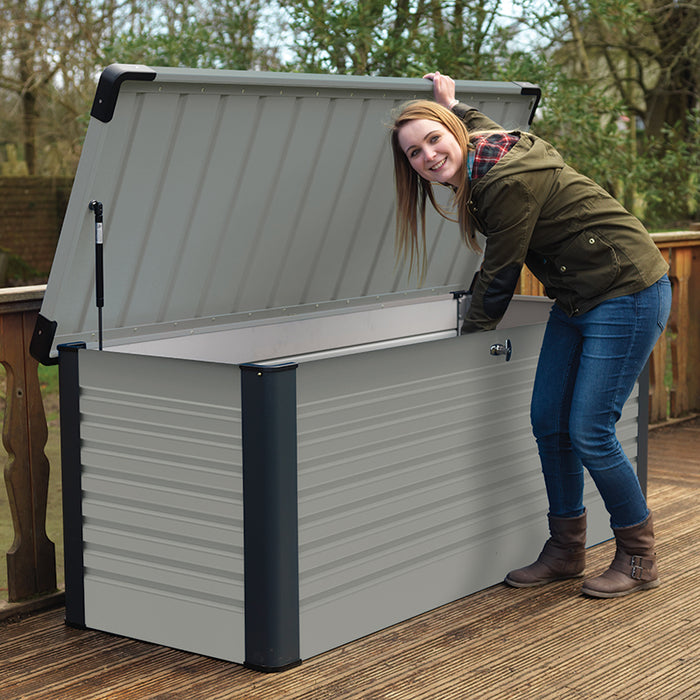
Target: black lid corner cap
point(42, 340)
point(535, 91)
point(108, 87)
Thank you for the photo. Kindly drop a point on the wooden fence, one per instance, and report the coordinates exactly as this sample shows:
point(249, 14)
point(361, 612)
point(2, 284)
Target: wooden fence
point(31, 563)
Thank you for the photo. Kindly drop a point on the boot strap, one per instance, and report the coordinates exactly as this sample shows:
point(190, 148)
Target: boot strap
point(633, 565)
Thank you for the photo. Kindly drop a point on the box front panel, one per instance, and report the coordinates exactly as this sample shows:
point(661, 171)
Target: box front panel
point(162, 501)
point(419, 480)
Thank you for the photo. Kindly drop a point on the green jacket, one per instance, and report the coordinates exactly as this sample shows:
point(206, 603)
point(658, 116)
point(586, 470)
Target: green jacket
point(574, 237)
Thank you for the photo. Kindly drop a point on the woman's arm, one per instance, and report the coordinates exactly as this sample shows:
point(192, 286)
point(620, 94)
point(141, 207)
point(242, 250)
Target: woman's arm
point(444, 94)
point(443, 89)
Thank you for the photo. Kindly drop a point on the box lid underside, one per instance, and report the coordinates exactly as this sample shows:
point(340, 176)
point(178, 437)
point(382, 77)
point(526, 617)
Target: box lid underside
point(233, 196)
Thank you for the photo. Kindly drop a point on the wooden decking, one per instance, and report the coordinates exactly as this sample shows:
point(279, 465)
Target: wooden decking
point(500, 643)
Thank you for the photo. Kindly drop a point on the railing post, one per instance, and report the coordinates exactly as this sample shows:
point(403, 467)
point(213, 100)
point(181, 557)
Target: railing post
point(694, 331)
point(31, 561)
point(680, 275)
point(682, 250)
point(658, 394)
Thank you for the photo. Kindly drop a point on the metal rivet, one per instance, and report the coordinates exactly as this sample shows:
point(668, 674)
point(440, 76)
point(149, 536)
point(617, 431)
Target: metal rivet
point(562, 268)
point(591, 241)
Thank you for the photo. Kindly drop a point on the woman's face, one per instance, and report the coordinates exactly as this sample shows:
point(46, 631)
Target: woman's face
point(432, 151)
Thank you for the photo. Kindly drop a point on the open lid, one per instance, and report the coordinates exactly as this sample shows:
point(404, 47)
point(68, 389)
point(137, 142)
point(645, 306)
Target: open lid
point(234, 195)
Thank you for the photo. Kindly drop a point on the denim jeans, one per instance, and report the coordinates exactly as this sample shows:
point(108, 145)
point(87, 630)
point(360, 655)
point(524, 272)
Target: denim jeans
point(586, 371)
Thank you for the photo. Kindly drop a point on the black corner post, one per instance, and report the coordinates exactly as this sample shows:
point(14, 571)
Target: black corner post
point(69, 397)
point(270, 515)
point(643, 428)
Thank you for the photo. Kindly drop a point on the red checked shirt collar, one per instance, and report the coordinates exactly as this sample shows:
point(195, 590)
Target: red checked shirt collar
point(490, 148)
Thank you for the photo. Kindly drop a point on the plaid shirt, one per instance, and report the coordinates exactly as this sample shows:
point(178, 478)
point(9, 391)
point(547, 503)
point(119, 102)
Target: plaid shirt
point(490, 148)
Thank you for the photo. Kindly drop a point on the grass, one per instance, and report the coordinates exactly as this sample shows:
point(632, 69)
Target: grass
point(48, 380)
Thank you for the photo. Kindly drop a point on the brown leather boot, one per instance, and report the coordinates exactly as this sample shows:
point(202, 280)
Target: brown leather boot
point(563, 555)
point(634, 565)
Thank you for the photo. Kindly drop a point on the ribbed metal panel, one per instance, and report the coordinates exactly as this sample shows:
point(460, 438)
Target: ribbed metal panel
point(223, 197)
point(419, 481)
point(162, 501)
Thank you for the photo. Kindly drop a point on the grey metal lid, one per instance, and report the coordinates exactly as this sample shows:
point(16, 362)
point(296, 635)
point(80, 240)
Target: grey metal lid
point(236, 195)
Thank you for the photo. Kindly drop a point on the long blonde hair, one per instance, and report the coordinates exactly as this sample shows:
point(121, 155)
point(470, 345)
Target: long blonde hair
point(412, 191)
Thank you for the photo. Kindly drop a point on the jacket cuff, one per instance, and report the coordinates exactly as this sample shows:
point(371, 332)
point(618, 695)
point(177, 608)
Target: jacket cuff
point(461, 109)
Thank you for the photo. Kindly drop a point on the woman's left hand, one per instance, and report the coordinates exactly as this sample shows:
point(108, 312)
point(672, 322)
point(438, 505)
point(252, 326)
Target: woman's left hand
point(443, 89)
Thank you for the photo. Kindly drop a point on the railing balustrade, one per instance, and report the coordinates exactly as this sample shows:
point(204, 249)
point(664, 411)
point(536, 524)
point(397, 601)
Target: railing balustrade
point(674, 376)
point(31, 560)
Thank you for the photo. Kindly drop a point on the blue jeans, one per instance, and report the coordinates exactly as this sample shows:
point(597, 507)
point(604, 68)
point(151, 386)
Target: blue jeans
point(587, 369)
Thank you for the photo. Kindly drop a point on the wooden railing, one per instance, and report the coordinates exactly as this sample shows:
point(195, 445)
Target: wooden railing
point(674, 378)
point(31, 563)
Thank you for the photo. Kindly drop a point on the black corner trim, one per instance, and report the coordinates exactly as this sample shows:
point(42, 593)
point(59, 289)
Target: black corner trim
point(109, 84)
point(267, 369)
point(643, 429)
point(270, 516)
point(272, 669)
point(531, 89)
point(42, 340)
point(69, 398)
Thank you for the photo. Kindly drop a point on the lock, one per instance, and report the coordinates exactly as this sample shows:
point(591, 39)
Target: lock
point(502, 349)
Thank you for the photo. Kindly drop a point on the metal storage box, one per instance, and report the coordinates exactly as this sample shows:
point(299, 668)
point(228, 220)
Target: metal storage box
point(283, 444)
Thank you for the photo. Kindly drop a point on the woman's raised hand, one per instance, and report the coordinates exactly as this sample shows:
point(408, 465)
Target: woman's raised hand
point(443, 89)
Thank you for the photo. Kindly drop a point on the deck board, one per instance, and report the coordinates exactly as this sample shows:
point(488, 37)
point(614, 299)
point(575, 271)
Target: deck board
point(498, 643)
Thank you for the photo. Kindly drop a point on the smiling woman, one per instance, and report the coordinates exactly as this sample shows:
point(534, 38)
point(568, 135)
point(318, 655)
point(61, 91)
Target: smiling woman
point(612, 297)
point(412, 134)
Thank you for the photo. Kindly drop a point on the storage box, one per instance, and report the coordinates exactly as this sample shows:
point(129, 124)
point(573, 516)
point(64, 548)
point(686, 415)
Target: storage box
point(284, 444)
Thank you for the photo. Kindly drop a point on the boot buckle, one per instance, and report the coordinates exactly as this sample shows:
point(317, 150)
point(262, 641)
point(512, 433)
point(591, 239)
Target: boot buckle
point(637, 564)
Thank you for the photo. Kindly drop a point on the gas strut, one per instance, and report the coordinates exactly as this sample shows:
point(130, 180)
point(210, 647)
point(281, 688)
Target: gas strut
point(96, 208)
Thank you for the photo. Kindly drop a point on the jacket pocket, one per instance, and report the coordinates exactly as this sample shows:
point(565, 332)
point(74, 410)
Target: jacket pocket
point(588, 265)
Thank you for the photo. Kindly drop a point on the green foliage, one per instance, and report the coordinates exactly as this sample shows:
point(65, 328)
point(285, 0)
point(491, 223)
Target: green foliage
point(582, 124)
point(668, 174)
point(405, 38)
point(225, 34)
point(48, 380)
point(18, 271)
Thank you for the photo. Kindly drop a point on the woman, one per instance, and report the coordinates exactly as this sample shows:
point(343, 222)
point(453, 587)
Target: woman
point(612, 300)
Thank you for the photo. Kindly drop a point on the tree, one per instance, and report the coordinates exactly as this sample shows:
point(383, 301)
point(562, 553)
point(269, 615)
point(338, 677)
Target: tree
point(233, 34)
point(633, 64)
point(398, 38)
point(32, 48)
point(51, 52)
point(646, 52)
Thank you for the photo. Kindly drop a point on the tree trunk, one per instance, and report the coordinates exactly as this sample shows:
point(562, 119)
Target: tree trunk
point(29, 130)
point(677, 28)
